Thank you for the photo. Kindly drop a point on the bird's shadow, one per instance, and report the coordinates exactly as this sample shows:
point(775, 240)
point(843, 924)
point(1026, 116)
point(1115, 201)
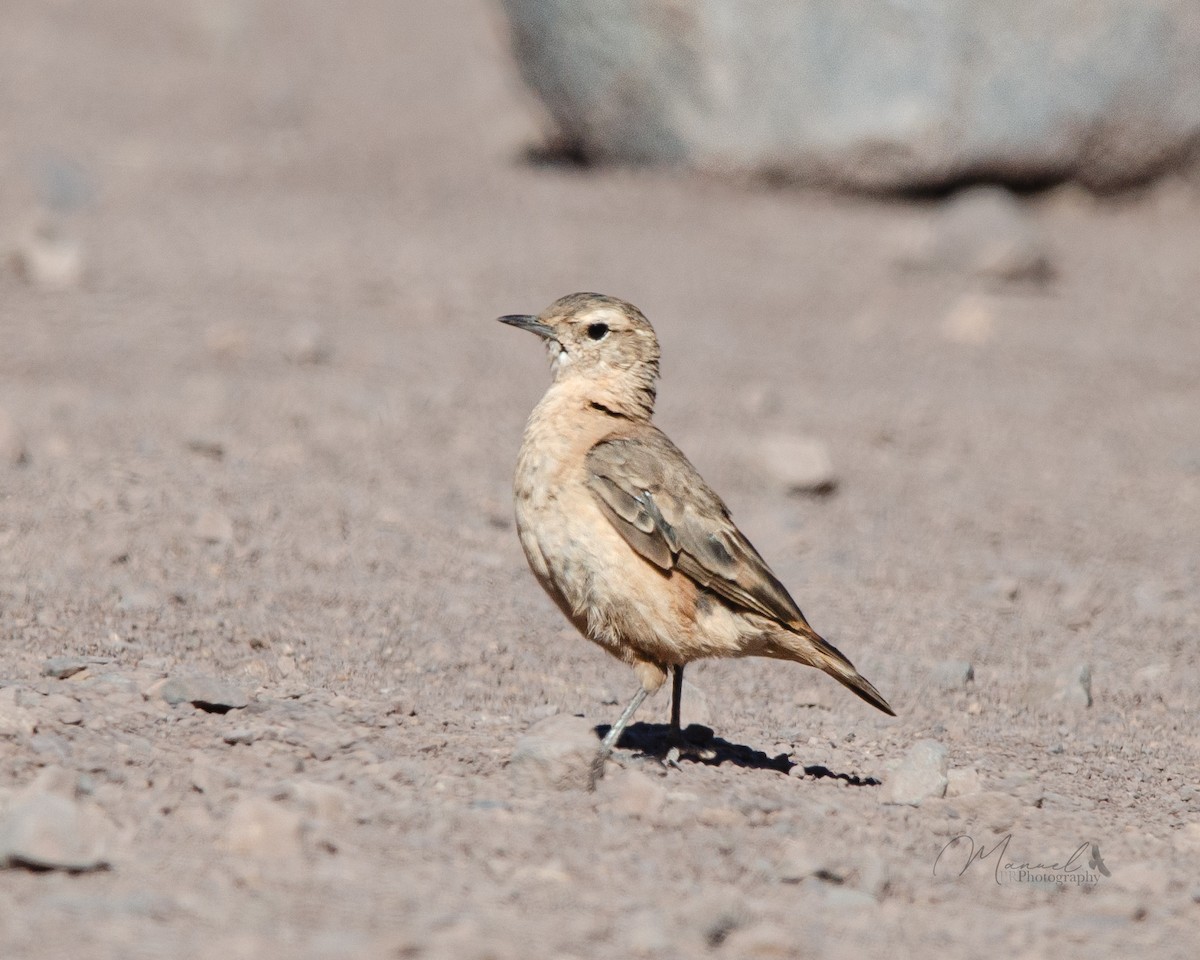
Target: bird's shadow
point(700, 745)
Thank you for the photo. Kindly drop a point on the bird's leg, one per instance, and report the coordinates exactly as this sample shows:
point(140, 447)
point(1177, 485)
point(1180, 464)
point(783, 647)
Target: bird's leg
point(677, 743)
point(676, 698)
point(675, 734)
point(614, 734)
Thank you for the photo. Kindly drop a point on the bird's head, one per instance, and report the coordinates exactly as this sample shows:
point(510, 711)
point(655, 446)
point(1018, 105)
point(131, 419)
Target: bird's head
point(603, 346)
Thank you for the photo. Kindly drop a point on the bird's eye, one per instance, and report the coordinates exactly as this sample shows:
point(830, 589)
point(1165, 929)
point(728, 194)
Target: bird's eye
point(598, 331)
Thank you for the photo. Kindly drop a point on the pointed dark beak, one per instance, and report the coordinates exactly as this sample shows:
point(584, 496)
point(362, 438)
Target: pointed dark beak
point(525, 322)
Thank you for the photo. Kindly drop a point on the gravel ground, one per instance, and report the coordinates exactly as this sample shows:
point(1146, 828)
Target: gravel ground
point(270, 642)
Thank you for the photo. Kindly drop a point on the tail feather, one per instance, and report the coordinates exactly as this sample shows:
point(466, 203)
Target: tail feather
point(822, 654)
point(857, 683)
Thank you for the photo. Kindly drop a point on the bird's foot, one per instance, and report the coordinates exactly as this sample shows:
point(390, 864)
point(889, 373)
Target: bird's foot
point(693, 743)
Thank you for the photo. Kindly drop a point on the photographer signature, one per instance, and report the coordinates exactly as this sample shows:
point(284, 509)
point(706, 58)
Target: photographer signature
point(965, 847)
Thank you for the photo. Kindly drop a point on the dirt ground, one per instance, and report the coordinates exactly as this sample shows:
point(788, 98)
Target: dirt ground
point(258, 426)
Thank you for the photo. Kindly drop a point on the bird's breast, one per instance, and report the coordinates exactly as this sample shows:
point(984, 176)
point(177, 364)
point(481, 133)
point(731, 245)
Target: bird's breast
point(604, 586)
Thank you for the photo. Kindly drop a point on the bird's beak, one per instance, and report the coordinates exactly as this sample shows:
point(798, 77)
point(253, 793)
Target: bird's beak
point(525, 322)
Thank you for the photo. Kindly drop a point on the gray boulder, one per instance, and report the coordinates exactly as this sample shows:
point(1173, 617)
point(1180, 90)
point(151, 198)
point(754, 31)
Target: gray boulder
point(873, 95)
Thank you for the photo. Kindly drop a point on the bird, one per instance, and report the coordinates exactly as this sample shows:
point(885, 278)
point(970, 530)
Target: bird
point(622, 532)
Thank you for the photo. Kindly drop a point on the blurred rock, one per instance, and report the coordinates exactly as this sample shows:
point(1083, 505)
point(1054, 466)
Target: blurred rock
point(1032, 794)
point(226, 341)
point(766, 940)
point(719, 817)
point(542, 711)
point(66, 710)
point(204, 777)
point(140, 597)
point(307, 343)
point(210, 447)
point(846, 898)
point(47, 257)
point(64, 185)
point(952, 674)
point(60, 668)
point(13, 448)
point(558, 752)
point(646, 934)
point(206, 693)
point(632, 793)
point(798, 464)
point(214, 527)
point(920, 775)
point(871, 875)
point(800, 859)
point(1070, 687)
point(918, 96)
point(55, 779)
point(1188, 837)
point(1001, 592)
point(1145, 878)
point(971, 320)
point(1079, 600)
point(989, 808)
point(476, 934)
point(759, 400)
point(322, 801)
point(264, 829)
point(983, 232)
point(961, 783)
point(47, 831)
point(14, 718)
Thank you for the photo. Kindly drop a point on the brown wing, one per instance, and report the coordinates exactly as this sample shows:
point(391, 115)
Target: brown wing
point(668, 514)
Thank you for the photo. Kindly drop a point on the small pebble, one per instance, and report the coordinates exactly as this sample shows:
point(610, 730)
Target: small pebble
point(798, 464)
point(206, 693)
point(13, 449)
point(799, 859)
point(952, 674)
point(49, 258)
point(1069, 687)
point(971, 320)
point(264, 829)
point(765, 940)
point(214, 527)
point(63, 667)
point(307, 344)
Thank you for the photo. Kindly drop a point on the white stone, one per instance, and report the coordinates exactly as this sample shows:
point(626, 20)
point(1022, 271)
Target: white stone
point(920, 775)
point(799, 464)
point(47, 831)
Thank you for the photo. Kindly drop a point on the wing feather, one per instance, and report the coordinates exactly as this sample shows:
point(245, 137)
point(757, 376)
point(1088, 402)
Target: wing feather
point(662, 507)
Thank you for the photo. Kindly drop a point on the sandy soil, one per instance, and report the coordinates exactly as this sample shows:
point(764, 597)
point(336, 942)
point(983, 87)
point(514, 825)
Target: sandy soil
point(267, 436)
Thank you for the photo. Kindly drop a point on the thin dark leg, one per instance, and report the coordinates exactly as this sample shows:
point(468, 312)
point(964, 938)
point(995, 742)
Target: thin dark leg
point(676, 698)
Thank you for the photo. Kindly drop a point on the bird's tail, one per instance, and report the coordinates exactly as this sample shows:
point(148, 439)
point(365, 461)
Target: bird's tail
point(808, 647)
